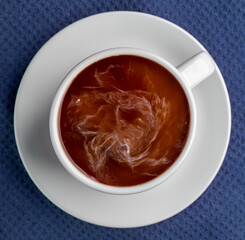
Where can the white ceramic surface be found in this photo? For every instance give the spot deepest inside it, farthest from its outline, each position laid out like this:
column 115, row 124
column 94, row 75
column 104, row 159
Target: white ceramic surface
column 193, row 71
column 38, row 87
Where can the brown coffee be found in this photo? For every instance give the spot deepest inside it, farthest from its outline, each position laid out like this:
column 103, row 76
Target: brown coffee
column 124, row 120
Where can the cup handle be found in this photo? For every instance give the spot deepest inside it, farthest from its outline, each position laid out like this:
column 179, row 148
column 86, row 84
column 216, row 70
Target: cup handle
column 197, row 68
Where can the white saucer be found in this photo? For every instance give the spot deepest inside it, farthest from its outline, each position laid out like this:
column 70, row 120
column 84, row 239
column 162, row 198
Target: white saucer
column 38, row 86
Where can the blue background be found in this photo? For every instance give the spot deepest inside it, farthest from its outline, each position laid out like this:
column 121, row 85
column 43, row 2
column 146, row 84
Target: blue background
column 26, row 25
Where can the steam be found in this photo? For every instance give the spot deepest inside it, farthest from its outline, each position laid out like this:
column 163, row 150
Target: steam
column 117, row 125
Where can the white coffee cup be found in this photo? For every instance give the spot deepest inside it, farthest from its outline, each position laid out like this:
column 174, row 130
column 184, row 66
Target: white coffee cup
column 189, row 74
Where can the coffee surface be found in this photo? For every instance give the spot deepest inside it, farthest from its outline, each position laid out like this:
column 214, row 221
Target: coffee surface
column 124, row 120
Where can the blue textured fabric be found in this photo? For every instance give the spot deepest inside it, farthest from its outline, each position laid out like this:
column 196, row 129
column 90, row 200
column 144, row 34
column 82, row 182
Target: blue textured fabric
column 27, row 24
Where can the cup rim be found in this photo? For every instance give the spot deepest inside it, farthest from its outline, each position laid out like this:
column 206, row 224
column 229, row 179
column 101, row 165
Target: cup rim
column 59, row 148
